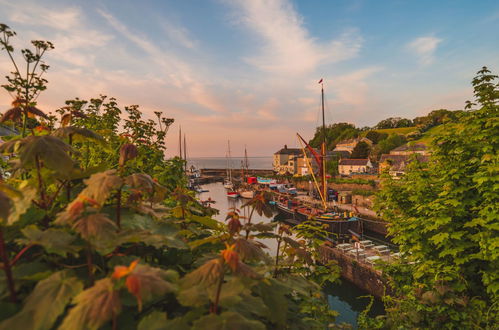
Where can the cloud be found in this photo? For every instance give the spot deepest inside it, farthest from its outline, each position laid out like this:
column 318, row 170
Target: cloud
column 288, row 47
column 179, row 35
column 424, row 48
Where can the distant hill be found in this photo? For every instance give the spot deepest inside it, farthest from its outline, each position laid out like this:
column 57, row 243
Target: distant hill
column 399, row 130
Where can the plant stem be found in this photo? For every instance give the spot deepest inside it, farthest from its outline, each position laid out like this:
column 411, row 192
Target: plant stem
column 118, row 209
column 277, row 257
column 90, row 264
column 217, row 297
column 19, row 255
column 249, row 221
column 7, row 268
column 40, row 182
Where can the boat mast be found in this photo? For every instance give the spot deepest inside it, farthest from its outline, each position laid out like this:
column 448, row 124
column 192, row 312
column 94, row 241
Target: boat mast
column 180, row 142
column 323, row 149
column 228, row 161
column 185, row 155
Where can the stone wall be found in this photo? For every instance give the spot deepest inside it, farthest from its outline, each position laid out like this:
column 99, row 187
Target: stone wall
column 358, row 272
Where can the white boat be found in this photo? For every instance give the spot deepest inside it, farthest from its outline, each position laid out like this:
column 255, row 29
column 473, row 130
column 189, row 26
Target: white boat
column 247, row 194
column 228, row 184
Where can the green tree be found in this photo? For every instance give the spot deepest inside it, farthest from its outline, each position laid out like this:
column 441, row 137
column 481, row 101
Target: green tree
column 375, row 136
column 444, row 215
column 361, row 150
column 334, row 134
column 394, row 122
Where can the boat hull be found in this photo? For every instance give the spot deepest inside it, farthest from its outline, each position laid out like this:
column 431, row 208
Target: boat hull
column 247, row 194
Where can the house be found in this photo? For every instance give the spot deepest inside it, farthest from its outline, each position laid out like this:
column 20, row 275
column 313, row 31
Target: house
column 396, row 164
column 350, row 144
column 292, row 161
column 397, row 160
column 284, row 161
column 409, row 149
column 351, row 166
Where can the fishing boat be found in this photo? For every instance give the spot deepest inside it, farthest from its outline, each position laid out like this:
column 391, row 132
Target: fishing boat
column 247, row 194
column 228, row 184
column 339, row 224
column 232, row 194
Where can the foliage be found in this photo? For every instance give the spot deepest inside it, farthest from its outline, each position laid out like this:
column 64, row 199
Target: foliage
column 334, row 133
column 97, row 230
column 385, row 146
column 444, row 216
column 376, row 136
column 360, row 151
column 394, row 122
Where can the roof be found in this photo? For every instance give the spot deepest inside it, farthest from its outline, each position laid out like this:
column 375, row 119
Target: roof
column 5, row 130
column 354, row 162
column 289, row 151
column 398, row 162
column 341, row 153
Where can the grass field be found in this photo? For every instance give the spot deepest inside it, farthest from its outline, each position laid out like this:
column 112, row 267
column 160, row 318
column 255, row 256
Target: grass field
column 428, row 135
column 400, row 130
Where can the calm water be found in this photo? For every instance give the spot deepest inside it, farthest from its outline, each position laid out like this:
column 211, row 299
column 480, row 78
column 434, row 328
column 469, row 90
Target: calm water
column 343, row 297
column 257, row 163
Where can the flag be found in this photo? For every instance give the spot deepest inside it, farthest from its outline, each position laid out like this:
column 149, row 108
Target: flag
column 320, row 81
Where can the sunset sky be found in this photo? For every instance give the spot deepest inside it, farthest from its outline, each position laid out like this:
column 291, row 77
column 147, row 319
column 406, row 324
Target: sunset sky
column 247, row 70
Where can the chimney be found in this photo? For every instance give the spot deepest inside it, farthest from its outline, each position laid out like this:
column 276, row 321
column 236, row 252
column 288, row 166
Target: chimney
column 285, row 146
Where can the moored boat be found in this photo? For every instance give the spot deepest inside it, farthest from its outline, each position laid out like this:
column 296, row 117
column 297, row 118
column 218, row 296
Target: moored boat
column 232, row 194
column 247, row 194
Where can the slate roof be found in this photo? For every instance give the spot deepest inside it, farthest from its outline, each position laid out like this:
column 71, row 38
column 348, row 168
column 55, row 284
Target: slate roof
column 289, row 151
column 399, row 162
column 354, row 162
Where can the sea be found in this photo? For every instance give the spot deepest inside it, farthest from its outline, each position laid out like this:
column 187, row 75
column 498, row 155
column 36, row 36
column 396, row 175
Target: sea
column 254, row 163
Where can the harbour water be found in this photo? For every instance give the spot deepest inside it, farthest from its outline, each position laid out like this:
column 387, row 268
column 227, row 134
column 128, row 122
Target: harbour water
column 257, row 163
column 344, row 297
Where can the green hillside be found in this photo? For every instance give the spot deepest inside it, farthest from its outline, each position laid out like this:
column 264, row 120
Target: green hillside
column 400, row 130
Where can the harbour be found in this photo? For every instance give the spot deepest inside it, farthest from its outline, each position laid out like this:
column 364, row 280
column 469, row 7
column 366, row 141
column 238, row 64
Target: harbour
column 343, row 297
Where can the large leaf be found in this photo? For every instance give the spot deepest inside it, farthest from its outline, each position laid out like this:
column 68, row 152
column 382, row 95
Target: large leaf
column 154, row 321
column 94, row 307
column 21, row 204
column 5, row 204
column 227, row 321
column 95, row 226
column 100, row 186
column 45, row 303
column 49, row 149
column 146, row 282
column 67, row 131
column 53, row 240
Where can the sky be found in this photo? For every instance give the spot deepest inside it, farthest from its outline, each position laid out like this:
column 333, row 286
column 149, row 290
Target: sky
column 248, row 70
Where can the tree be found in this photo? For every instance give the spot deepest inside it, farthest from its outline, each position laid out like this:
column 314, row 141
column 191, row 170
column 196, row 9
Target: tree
column 334, row 134
column 394, row 122
column 444, row 215
column 375, row 136
column 361, row 150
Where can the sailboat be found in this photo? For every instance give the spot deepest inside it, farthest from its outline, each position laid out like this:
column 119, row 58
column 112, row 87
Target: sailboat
column 228, row 184
column 245, row 192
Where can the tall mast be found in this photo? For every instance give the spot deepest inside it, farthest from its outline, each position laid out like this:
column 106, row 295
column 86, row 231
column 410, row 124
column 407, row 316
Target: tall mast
column 180, row 142
column 185, row 155
column 229, row 160
column 323, row 149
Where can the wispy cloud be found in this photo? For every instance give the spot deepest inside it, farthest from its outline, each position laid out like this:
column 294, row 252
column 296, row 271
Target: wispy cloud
column 424, row 48
column 288, row 47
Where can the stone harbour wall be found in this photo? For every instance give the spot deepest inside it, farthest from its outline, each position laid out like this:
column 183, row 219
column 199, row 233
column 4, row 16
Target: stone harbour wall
column 358, row 272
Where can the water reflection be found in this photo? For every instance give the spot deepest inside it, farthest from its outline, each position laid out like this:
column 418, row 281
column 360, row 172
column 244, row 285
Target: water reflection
column 344, row 297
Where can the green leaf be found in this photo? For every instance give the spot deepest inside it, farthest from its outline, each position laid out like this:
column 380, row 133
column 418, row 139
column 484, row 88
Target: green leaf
column 53, row 240
column 227, row 321
column 207, row 222
column 45, row 303
column 49, row 149
column 94, row 307
column 65, row 132
column 154, row 321
column 21, row 204
column 100, row 185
